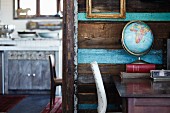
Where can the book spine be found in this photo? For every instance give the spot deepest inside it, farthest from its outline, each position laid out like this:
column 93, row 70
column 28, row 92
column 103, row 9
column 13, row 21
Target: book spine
column 139, row 68
column 134, row 75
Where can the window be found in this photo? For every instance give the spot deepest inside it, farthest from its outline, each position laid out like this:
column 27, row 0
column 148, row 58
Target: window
column 38, row 8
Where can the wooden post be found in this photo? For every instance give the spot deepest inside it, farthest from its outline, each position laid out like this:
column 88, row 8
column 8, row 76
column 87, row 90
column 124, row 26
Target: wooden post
column 68, row 57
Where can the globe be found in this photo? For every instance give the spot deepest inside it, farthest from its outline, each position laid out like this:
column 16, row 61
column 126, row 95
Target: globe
column 137, row 38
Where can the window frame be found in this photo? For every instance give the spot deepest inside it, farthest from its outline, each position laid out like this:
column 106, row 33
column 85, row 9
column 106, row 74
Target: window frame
column 37, row 15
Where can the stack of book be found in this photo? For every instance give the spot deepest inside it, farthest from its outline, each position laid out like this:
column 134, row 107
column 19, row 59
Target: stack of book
column 138, row 70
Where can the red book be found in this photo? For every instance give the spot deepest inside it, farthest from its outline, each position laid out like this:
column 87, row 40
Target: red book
column 139, row 68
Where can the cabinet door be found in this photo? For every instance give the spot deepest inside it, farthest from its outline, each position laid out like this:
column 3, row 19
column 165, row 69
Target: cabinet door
column 19, row 74
column 45, row 74
column 40, row 74
column 24, row 77
column 13, row 74
column 36, row 75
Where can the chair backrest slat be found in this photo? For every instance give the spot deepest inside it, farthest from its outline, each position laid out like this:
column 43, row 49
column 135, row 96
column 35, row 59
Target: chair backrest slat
column 101, row 94
column 52, row 67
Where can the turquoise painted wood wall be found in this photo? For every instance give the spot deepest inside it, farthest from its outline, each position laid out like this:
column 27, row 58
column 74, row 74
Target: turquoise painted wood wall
column 163, row 16
column 109, row 56
column 94, row 106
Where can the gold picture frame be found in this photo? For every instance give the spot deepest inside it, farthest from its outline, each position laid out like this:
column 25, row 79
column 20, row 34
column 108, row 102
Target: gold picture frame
column 122, row 13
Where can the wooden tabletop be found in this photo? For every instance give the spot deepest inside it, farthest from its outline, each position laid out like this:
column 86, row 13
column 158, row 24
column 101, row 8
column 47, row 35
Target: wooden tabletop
column 142, row 87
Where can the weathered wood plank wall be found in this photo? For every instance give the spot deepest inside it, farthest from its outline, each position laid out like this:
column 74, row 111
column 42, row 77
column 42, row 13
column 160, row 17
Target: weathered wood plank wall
column 96, row 36
column 131, row 5
column 107, row 35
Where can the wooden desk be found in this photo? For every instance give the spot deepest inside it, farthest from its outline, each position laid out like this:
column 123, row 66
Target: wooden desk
column 143, row 95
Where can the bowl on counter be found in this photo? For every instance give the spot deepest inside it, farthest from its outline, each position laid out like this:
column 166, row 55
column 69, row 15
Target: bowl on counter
column 48, row 34
column 27, row 34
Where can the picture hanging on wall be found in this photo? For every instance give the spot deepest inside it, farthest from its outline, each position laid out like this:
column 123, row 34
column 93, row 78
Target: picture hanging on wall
column 105, row 8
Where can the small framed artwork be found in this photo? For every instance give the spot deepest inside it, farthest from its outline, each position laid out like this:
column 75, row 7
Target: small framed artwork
column 105, row 8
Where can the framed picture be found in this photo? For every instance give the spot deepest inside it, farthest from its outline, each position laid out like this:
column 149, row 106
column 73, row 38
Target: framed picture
column 93, row 12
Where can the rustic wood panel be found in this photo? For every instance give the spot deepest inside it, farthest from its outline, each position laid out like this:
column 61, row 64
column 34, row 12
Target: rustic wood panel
column 100, row 35
column 105, row 69
column 91, row 98
column 131, row 5
column 108, row 35
column 110, row 69
column 87, row 94
column 90, row 79
column 91, row 88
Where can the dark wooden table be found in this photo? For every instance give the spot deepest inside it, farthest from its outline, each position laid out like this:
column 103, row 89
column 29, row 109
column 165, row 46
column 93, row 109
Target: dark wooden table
column 143, row 95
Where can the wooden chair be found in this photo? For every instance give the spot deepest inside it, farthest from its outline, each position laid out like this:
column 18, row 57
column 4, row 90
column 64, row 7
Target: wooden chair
column 54, row 80
column 101, row 94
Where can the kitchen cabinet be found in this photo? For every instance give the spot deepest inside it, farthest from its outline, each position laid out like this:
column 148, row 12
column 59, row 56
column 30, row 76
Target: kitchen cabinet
column 27, row 71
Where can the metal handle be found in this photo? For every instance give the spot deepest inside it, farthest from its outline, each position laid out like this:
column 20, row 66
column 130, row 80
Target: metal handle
column 33, row 74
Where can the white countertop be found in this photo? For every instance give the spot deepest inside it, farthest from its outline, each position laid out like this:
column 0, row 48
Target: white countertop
column 30, row 44
column 19, row 48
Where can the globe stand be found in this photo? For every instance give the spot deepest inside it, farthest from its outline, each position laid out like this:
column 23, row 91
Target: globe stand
column 139, row 61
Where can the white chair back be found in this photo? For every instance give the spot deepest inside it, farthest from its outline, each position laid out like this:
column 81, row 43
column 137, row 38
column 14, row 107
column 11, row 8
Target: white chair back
column 52, row 60
column 101, row 94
